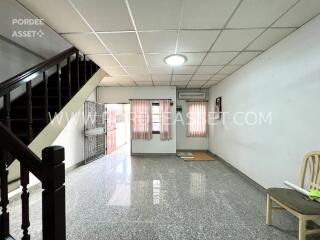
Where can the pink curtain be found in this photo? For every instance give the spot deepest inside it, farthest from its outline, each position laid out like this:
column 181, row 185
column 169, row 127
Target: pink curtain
column 197, row 119
column 165, row 119
column 141, row 124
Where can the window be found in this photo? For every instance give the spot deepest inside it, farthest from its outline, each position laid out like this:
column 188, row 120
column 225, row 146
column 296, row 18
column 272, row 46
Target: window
column 197, row 119
column 155, row 118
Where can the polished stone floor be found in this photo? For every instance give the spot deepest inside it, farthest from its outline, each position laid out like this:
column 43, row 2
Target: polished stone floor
column 122, row 197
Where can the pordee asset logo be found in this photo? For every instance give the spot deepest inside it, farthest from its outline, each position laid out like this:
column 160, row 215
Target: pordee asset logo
column 27, row 33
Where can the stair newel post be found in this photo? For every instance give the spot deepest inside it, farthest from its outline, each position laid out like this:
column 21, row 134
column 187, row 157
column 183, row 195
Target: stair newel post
column 59, row 86
column 69, row 78
column 7, row 109
column 53, row 195
column 77, row 70
column 46, row 96
column 4, row 217
column 85, row 69
column 29, row 110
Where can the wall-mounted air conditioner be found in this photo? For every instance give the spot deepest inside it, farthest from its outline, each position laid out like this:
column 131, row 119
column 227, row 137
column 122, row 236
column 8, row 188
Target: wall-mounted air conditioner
column 192, row 95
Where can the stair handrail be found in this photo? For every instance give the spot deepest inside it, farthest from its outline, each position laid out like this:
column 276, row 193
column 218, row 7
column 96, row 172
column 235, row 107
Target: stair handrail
column 10, row 143
column 50, row 170
column 15, row 81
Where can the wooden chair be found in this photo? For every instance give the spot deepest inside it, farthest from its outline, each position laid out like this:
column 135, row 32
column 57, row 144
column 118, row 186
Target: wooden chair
column 296, row 203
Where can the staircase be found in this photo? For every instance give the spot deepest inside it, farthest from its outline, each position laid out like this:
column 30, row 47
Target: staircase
column 27, row 115
column 22, row 117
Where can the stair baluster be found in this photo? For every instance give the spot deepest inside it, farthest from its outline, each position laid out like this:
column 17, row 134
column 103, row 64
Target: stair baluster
column 59, row 87
column 4, row 218
column 29, row 111
column 69, row 79
column 45, row 97
column 77, row 70
column 24, row 174
column 85, row 69
column 7, row 109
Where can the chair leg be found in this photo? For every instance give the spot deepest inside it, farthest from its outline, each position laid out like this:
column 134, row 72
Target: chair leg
column 302, row 228
column 269, row 210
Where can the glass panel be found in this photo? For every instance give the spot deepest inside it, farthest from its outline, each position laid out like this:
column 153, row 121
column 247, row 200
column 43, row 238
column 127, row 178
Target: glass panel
column 155, row 110
column 155, row 118
column 155, row 126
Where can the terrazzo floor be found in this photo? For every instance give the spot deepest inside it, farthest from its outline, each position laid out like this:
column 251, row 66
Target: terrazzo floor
column 123, row 197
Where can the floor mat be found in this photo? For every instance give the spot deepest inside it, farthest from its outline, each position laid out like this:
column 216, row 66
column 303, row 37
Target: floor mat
column 195, row 156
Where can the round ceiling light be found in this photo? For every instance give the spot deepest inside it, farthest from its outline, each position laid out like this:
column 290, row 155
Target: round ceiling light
column 175, row 60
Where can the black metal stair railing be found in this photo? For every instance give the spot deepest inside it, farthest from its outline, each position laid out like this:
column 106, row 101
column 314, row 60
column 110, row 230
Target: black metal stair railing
column 21, row 120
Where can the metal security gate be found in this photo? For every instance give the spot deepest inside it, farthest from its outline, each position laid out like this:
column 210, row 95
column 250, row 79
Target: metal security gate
column 94, row 130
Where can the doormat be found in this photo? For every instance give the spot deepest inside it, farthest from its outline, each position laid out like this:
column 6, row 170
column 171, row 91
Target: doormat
column 195, row 156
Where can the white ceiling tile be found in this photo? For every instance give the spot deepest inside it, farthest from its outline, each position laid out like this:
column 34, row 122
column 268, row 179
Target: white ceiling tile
column 235, row 40
column 299, row 14
column 230, row 69
column 155, row 14
column 141, row 78
column 115, row 71
column 208, row 69
column 183, row 77
column 137, row 70
column 104, row 60
column 59, row 14
column 127, row 84
column 159, row 41
column 196, row 41
column 244, row 57
column 207, row 14
column 131, row 60
column 219, row 58
column 179, row 83
column 156, row 59
column 161, row 77
column 261, row 13
column 211, row 83
column 88, row 43
column 197, row 83
column 126, row 42
column 161, row 83
column 105, row 15
column 269, row 38
column 201, row 77
column 161, row 70
column 144, row 83
column 184, row 69
column 194, row 58
column 219, row 76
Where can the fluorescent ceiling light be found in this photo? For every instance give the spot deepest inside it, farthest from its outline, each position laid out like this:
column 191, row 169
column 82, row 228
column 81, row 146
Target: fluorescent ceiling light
column 175, row 60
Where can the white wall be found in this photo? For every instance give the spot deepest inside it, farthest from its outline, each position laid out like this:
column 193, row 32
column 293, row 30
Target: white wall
column 73, row 133
column 184, row 142
column 285, row 80
column 123, row 94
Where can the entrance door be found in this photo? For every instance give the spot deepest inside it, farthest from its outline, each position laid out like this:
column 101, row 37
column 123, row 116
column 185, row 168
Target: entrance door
column 118, row 127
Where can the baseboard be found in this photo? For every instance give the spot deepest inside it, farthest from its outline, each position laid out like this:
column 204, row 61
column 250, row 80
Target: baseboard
column 238, row 172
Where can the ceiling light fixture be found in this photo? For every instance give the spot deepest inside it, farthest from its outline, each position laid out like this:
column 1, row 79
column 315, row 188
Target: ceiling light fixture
column 175, row 60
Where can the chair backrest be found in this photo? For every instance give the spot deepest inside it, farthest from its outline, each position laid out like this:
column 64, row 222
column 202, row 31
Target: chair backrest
column 310, row 171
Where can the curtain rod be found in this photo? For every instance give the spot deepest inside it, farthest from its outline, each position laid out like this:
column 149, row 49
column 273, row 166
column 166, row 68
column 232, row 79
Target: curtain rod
column 197, row 101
